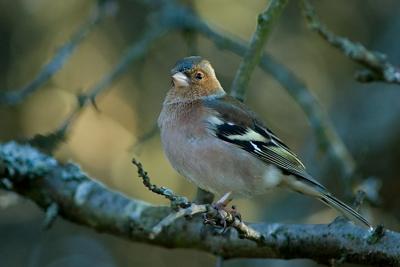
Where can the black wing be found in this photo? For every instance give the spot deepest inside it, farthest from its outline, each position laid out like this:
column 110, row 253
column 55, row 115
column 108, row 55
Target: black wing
column 233, row 122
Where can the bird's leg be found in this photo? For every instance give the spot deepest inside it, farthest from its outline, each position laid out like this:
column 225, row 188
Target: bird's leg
column 223, row 212
column 220, row 207
column 223, row 201
column 222, row 204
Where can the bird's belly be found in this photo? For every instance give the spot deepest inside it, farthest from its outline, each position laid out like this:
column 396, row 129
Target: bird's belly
column 220, row 167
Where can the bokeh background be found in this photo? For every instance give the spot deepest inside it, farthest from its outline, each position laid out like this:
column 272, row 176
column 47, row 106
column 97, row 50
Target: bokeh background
column 367, row 116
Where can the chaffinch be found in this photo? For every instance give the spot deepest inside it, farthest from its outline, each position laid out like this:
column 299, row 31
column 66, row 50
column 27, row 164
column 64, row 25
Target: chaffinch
column 222, row 146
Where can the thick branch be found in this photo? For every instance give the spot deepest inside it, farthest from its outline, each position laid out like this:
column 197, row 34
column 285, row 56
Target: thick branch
column 84, row 201
column 253, row 54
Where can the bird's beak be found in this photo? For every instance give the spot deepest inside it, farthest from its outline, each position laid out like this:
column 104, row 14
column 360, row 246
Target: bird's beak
column 180, row 80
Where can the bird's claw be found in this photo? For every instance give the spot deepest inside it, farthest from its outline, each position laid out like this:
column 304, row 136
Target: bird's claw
column 208, row 220
column 234, row 212
column 221, row 216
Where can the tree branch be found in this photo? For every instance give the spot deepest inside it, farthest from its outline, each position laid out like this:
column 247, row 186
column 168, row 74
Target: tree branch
column 255, row 49
column 183, row 208
column 378, row 67
column 82, row 200
column 61, row 57
column 176, row 201
column 136, row 51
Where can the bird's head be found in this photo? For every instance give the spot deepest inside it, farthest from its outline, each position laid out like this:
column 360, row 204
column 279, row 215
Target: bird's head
column 193, row 78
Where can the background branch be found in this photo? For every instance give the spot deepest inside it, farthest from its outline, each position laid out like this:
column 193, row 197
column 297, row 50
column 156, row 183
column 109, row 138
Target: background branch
column 256, row 46
column 378, row 67
column 325, row 132
column 175, row 16
column 134, row 53
column 82, row 200
column 61, row 57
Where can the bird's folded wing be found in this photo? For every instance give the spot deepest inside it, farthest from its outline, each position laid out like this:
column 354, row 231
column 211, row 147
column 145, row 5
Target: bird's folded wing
column 233, row 122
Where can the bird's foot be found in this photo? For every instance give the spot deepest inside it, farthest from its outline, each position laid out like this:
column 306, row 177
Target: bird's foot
column 222, row 216
column 235, row 213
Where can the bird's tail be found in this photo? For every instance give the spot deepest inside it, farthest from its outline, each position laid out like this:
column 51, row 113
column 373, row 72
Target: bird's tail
column 347, row 211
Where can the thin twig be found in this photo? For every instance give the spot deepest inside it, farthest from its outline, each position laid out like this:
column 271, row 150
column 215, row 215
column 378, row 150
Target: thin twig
column 176, row 201
column 184, row 208
column 253, row 54
column 378, row 67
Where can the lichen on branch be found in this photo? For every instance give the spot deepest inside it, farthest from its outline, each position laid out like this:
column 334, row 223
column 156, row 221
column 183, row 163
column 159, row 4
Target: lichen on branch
column 82, row 200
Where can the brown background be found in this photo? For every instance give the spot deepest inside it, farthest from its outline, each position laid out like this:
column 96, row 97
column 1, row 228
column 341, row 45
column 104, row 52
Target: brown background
column 367, row 116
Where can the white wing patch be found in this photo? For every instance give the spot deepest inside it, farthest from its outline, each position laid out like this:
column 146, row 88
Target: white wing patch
column 249, row 136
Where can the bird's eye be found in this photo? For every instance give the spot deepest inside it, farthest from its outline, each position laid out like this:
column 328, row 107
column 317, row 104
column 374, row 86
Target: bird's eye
column 199, row 75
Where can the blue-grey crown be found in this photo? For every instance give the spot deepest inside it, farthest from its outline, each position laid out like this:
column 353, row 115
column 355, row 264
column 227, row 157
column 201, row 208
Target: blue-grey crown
column 186, row 64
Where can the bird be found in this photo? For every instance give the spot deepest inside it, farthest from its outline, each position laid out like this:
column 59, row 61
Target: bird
column 223, row 147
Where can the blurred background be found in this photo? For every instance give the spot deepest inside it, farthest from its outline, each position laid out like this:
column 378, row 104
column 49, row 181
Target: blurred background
column 367, row 116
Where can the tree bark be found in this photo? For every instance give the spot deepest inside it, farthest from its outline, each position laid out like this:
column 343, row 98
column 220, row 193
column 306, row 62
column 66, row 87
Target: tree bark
column 76, row 197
